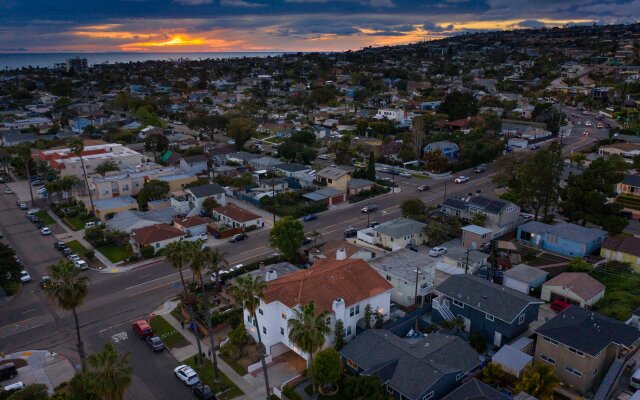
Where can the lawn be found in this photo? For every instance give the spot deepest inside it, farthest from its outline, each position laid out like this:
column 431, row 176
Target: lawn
column 75, row 223
column 77, row 247
column 171, row 337
column 116, row 253
column 622, row 295
column 206, row 376
column 234, row 364
column 45, row 217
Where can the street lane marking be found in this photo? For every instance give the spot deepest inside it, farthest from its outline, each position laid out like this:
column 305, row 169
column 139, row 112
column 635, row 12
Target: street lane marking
column 29, row 310
column 22, row 331
column 119, row 337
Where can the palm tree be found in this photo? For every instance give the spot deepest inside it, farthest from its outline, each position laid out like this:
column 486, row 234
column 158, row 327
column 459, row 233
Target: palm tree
column 77, row 147
column 248, row 292
column 214, row 259
column 69, row 289
column 315, row 235
column 178, row 258
column 67, row 184
column 197, row 264
column 107, row 166
column 110, row 373
column 308, row 330
column 24, row 153
column 538, row 380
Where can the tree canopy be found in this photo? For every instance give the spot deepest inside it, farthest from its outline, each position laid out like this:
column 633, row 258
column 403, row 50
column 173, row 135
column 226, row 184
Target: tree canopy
column 241, row 129
column 153, row 190
column 287, row 236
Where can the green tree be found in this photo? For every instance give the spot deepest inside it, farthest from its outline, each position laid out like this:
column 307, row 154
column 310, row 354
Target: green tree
column 436, row 162
column 107, row 166
column 538, row 380
column 111, row 373
column 9, row 267
column 478, row 342
column 492, row 374
column 371, row 167
column 308, row 330
column 209, row 204
column 241, row 129
column 24, row 158
column 77, row 147
column 436, row 232
column 338, row 332
column 364, row 388
column 479, row 219
column 157, row 143
column 249, row 292
column 287, row 235
column 35, row 391
column 458, row 105
column 578, row 159
column 153, row 190
column 579, row 265
column 315, row 235
column 636, row 162
column 413, row 208
column 368, row 314
column 542, row 174
column 68, row 289
column 328, row 369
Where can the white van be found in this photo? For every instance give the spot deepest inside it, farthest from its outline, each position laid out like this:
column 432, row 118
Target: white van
column 634, row 382
column 89, row 225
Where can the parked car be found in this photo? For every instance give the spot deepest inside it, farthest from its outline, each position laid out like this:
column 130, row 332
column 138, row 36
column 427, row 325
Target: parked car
column 45, row 282
column 480, row 168
column 14, row 387
column 60, row 246
column 73, row 257
column 203, row 391
column 90, row 224
column 559, row 305
column 22, row 205
column 437, row 251
column 203, row 236
column 142, row 329
column 40, row 224
column 24, row 277
column 405, row 174
column 155, row 343
column 186, row 375
column 350, row 232
column 37, row 183
column 461, row 179
column 374, row 224
column 81, row 265
column 236, row 267
column 310, row 217
column 45, row 231
column 323, row 157
column 422, row 188
column 307, row 241
column 8, row 371
column 218, row 275
column 66, row 251
column 369, row 208
column 238, row 238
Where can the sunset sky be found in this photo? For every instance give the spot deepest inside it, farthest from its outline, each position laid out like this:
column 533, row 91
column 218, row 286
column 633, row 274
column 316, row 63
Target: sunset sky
column 276, row 25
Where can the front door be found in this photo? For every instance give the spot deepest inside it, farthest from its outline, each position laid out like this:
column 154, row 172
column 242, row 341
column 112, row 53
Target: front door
column 497, row 339
column 467, row 324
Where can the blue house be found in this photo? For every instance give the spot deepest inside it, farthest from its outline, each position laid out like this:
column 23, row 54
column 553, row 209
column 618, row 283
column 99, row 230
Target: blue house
column 448, row 149
column 499, row 313
column 564, row 238
column 425, row 368
column 77, row 125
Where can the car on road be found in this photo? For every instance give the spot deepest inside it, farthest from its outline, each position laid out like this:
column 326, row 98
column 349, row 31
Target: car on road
column 186, row 375
column 405, row 174
column 323, row 157
column 60, row 246
column 588, row 123
column 599, row 126
column 238, row 238
column 155, row 343
column 422, row 188
column 236, row 267
column 534, row 147
column 374, row 224
column 37, row 183
column 350, row 232
column 203, row 392
column 369, row 208
column 40, row 224
column 480, row 168
column 14, row 387
column 24, row 277
column 142, row 329
column 22, row 205
column 45, row 231
column 310, row 217
column 437, row 251
column 307, row 241
column 8, row 191
column 45, row 282
column 461, row 179
column 218, row 275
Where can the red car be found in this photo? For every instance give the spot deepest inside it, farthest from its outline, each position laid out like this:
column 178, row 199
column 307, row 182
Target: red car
column 559, row 306
column 142, row 329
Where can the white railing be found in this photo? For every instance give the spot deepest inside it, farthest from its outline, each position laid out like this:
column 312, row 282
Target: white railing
column 439, row 305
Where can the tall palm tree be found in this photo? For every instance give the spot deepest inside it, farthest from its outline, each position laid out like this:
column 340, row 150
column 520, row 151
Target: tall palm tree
column 67, row 184
column 110, row 373
column 308, row 330
column 248, row 292
column 197, row 264
column 538, row 380
column 77, row 147
column 24, row 153
column 69, row 289
column 215, row 260
column 315, row 235
column 178, row 258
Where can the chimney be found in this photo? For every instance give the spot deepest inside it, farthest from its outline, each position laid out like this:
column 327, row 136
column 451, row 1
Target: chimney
column 341, row 254
column 271, row 275
column 338, row 308
column 262, row 266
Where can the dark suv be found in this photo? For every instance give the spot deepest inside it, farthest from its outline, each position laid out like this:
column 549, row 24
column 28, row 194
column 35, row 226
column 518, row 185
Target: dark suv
column 203, row 391
column 8, row 371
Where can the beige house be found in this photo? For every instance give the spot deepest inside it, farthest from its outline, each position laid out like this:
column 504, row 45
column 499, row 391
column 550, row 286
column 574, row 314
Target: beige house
column 333, row 177
column 399, row 233
column 474, row 236
column 577, row 288
column 156, row 236
column 107, row 208
column 574, row 344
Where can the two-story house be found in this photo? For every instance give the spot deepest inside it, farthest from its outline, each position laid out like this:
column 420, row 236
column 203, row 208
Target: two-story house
column 196, row 164
column 497, row 312
column 343, row 288
column 189, row 201
column 622, row 248
column 563, row 238
column 426, row 369
column 333, row 177
column 581, row 345
column 448, row 149
column 501, row 214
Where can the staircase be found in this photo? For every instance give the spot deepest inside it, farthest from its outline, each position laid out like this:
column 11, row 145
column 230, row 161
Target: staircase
column 609, row 379
column 439, row 305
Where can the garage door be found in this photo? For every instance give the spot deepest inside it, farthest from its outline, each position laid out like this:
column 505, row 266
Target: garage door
column 516, row 285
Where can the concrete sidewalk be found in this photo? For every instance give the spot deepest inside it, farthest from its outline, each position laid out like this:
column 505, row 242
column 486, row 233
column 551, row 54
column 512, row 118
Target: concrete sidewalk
column 181, row 354
column 45, row 367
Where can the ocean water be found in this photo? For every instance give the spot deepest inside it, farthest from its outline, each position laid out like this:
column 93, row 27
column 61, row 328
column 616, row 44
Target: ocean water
column 48, row 60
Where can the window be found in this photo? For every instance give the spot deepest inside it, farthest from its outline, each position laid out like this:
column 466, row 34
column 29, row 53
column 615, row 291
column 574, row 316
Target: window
column 553, row 342
column 352, row 364
column 573, row 371
column 351, row 311
column 348, row 331
column 264, row 330
column 328, row 321
column 260, row 311
column 428, row 396
column 595, row 372
column 249, row 318
column 578, row 352
column 489, row 317
column 358, row 309
column 388, row 388
column 548, row 359
column 389, row 277
column 459, row 376
column 552, row 239
column 282, row 331
column 403, row 397
column 458, row 303
column 521, row 319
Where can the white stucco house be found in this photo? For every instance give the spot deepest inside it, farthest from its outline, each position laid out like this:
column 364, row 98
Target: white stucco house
column 189, row 201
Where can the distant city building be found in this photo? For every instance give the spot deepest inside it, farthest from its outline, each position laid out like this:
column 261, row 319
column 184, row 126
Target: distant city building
column 77, row 65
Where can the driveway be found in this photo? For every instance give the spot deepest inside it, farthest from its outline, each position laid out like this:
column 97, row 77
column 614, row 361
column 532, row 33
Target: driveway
column 282, row 369
column 42, row 367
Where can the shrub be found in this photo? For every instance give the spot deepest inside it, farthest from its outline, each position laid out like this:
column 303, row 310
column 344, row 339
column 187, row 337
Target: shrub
column 90, row 254
column 478, row 342
column 147, row 251
column 238, row 336
column 290, row 393
column 231, row 350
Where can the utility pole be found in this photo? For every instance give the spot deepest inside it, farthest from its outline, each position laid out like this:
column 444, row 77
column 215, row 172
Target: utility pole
column 368, row 214
column 466, row 264
column 445, row 192
column 273, row 192
column 415, row 293
column 560, row 124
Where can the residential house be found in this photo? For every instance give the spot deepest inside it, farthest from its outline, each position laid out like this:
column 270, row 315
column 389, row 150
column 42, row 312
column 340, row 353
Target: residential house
column 400, row 233
column 396, row 115
column 469, row 261
column 428, row 368
column 355, row 186
column 630, row 186
column 581, row 345
column 624, row 149
column 192, row 226
column 108, row 208
column 333, row 177
column 622, row 249
column 189, row 201
column 476, row 390
column 475, row 237
column 236, row 217
column 524, row 279
column 512, row 360
column 343, row 288
column 499, row 313
column 577, row 288
column 338, row 249
column 265, row 163
column 329, row 195
column 448, row 149
column 563, row 238
column 129, row 220
column 500, row 215
column 293, row 170
column 195, row 164
column 401, row 268
column 157, row 236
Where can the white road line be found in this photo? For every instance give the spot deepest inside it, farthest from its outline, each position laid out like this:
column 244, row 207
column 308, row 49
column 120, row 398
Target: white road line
column 22, row 331
column 185, row 273
column 29, row 310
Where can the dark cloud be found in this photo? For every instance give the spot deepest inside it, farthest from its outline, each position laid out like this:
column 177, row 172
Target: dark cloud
column 531, row 23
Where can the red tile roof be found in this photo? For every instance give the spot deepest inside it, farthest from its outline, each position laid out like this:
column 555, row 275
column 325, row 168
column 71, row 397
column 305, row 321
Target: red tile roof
column 190, row 222
column 155, row 233
column 326, row 281
column 236, row 213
